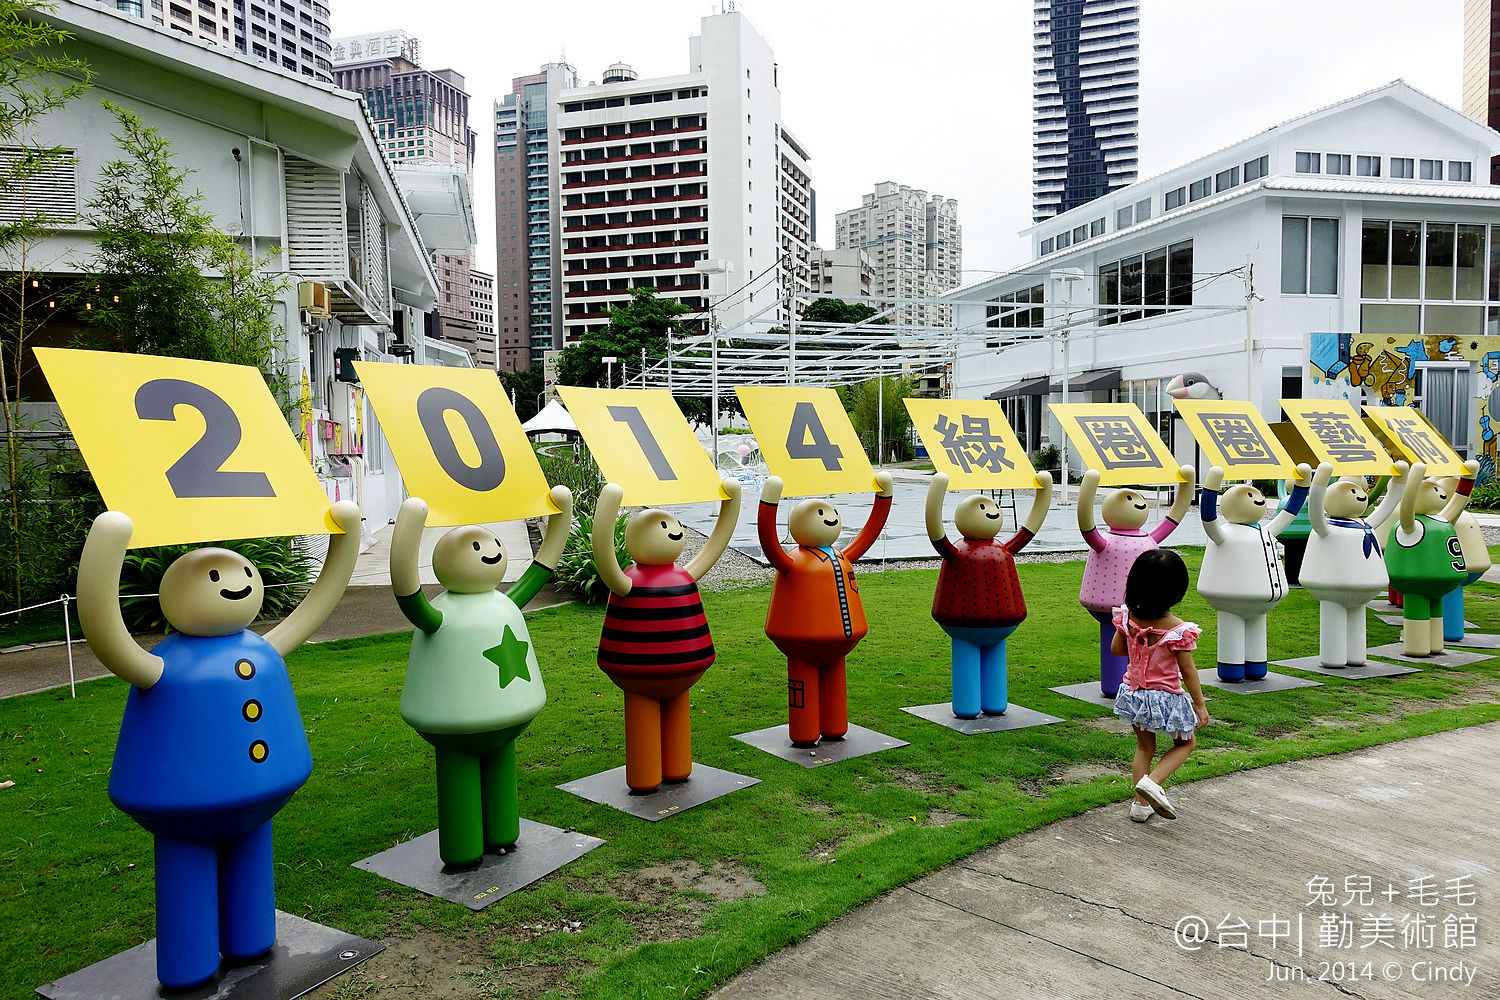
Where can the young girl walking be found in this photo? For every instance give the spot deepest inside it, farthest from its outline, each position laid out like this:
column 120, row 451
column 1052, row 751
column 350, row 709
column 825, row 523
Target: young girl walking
column 1152, row 699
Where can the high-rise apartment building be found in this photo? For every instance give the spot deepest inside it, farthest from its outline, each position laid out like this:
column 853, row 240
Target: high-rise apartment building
column 422, row 119
column 914, row 243
column 290, row 34
column 1086, row 101
column 528, row 308
column 658, row 174
column 1482, row 67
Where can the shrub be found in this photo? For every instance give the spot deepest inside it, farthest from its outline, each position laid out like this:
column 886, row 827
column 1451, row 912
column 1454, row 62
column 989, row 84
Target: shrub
column 285, row 569
column 581, row 475
column 1485, row 497
column 576, row 569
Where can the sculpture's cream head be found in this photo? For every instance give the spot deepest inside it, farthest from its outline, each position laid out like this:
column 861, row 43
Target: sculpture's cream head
column 1124, row 510
column 1346, row 498
column 469, row 560
column 1243, row 504
column 211, row 591
column 977, row 517
column 815, row 523
column 654, row 537
column 1432, row 496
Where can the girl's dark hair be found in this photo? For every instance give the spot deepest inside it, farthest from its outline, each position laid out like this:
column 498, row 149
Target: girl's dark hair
column 1158, row 580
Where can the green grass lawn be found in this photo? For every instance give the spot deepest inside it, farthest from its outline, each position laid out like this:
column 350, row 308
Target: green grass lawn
column 667, row 908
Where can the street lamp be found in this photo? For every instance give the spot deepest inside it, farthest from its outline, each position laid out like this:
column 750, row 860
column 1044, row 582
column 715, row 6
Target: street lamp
column 609, row 371
column 1067, row 275
column 711, row 266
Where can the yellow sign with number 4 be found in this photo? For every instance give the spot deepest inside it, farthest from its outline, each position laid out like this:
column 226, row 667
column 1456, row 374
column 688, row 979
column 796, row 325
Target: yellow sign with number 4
column 192, row 451
column 807, row 440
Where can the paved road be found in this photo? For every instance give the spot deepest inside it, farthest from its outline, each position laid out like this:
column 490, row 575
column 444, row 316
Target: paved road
column 1087, row 907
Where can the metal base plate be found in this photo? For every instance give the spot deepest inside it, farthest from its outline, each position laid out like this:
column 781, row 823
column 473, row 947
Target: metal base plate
column 1015, row 717
column 1383, row 605
column 1371, row 668
column 1477, row 640
column 1087, row 691
column 707, row 783
column 1447, row 658
column 306, row 956
column 1271, row 682
column 1397, row 620
column 541, row 850
column 856, row 743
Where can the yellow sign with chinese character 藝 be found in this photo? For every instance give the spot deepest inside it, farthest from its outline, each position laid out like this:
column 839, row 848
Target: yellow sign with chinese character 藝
column 642, row 441
column 1235, row 437
column 192, row 451
column 1118, row 441
column 457, row 442
column 1335, row 434
column 971, row 441
column 1408, row 433
column 807, row 439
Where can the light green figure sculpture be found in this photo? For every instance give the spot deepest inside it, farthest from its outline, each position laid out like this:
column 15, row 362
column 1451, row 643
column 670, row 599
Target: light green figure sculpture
column 472, row 682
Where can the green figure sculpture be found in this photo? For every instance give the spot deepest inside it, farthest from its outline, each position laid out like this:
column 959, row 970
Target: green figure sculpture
column 472, row 682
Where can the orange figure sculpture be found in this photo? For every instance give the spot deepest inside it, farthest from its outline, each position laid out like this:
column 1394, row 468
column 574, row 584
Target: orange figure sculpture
column 656, row 642
column 816, row 617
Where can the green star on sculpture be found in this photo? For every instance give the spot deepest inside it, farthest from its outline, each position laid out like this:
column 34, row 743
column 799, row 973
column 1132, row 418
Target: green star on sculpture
column 510, row 657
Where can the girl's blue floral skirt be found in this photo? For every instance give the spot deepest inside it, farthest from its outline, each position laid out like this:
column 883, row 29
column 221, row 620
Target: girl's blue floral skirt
column 1157, row 711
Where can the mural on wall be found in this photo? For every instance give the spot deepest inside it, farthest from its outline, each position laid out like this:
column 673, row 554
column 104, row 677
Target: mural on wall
column 1385, row 369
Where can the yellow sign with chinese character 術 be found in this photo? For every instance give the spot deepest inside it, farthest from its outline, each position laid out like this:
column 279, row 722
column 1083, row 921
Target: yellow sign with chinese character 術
column 457, row 441
column 1408, row 432
column 642, row 442
column 971, row 441
column 1235, row 437
column 807, row 439
column 1117, row 440
column 1335, row 434
column 192, row 451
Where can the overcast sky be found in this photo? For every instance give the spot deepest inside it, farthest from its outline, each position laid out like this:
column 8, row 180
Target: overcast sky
column 937, row 94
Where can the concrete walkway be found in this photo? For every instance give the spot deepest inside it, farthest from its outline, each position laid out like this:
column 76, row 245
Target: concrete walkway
column 1089, row 906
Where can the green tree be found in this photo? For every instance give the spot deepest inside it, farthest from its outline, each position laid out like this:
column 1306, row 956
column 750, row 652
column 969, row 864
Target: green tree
column 889, row 424
column 641, row 323
column 525, row 385
column 839, row 311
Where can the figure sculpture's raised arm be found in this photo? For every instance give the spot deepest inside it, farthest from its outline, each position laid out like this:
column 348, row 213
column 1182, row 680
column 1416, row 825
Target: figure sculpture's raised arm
column 876, row 522
column 1390, row 500
column 1041, row 502
column 1182, row 498
column 99, row 602
column 1086, row 523
column 1213, row 483
column 937, row 491
column 1316, row 517
column 406, row 577
column 718, row 539
column 765, row 526
column 1460, row 498
column 1293, row 506
column 606, row 562
column 343, row 551
column 1409, row 496
column 554, row 541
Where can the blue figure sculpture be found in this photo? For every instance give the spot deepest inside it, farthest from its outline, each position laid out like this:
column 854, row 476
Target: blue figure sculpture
column 211, row 745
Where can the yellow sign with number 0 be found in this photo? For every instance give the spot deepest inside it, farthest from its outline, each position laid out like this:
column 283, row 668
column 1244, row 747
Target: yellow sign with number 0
column 807, row 440
column 192, row 451
column 457, row 441
column 642, row 442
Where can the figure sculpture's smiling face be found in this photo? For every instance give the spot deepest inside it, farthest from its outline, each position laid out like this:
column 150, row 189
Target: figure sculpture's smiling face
column 654, row 538
column 1244, row 504
column 977, row 517
column 815, row 523
column 211, row 591
column 1125, row 510
column 1431, row 497
column 1346, row 499
column 469, row 560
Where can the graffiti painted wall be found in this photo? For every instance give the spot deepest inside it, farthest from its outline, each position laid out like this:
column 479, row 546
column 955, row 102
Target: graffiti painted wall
column 1384, row 368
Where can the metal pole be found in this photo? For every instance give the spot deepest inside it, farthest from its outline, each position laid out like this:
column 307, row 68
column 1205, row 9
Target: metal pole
column 669, row 360
column 1249, row 339
column 791, row 334
column 713, row 404
column 880, row 415
column 68, row 644
column 1063, row 470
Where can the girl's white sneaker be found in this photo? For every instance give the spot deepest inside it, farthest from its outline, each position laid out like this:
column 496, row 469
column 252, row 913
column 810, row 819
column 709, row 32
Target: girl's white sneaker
column 1152, row 793
column 1139, row 812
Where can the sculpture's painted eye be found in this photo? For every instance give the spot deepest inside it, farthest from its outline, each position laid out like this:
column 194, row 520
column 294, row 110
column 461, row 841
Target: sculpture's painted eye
column 248, row 573
column 664, row 524
column 476, row 546
column 213, row 575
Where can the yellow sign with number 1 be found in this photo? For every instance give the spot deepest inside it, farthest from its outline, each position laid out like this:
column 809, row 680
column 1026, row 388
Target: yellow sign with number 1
column 192, row 451
column 642, row 441
column 807, row 440
column 457, row 441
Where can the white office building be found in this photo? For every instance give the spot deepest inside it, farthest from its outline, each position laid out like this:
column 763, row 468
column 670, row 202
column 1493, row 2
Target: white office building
column 1351, row 252
column 914, row 244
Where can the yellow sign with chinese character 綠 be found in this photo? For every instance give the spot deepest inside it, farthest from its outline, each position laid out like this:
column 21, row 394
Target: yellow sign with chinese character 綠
column 971, row 441
column 1235, row 437
column 192, row 451
column 1118, row 441
column 1335, row 434
column 807, row 439
column 642, row 442
column 457, row 442
column 1408, row 432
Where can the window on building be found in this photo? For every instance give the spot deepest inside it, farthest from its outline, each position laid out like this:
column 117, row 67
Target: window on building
column 1339, row 163
column 1309, row 256
column 1309, row 163
column 1124, row 217
column 1257, row 168
column 1143, row 210
column 1226, row 179
column 1430, row 170
column 1367, row 166
column 1064, row 239
column 1403, row 167
column 1174, row 199
column 1047, row 246
column 1155, row 281
column 1460, row 170
column 1096, row 228
column 1200, row 189
column 1080, row 233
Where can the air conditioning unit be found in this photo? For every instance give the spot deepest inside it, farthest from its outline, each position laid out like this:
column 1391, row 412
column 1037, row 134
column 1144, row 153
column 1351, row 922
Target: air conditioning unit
column 312, row 298
column 403, row 331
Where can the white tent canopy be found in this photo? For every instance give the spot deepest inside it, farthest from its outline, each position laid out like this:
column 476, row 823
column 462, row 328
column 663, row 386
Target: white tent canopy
column 551, row 419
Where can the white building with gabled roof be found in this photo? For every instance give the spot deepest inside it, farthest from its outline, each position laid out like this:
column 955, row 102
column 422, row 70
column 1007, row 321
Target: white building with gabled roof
column 1346, row 252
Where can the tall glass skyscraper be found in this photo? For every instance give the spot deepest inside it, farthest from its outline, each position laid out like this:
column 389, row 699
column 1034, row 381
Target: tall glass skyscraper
column 1086, row 101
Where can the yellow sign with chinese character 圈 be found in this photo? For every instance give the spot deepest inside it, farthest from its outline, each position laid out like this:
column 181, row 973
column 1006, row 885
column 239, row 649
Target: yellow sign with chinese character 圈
column 971, row 441
column 457, row 442
column 1408, row 433
column 1118, row 441
column 192, row 451
column 1335, row 434
column 1235, row 437
column 642, row 441
column 807, row 439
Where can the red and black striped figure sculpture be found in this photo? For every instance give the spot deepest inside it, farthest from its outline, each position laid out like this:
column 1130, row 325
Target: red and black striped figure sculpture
column 656, row 642
column 816, row 617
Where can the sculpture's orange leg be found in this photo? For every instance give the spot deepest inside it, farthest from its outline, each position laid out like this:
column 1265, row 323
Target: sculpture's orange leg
column 676, row 738
column 643, row 724
column 833, row 701
column 802, row 702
